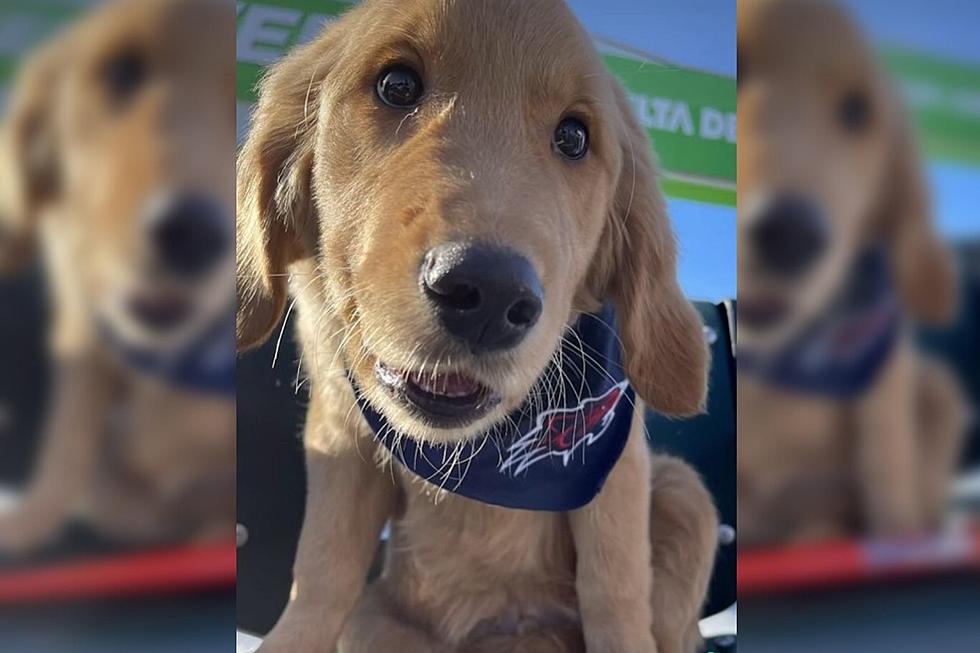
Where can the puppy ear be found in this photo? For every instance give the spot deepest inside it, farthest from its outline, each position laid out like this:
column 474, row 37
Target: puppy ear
column 275, row 222
column 29, row 153
column 923, row 266
column 665, row 354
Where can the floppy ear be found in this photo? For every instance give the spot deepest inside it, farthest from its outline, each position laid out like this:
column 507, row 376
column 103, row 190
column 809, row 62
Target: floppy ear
column 30, row 178
column 275, row 223
column 665, row 354
column 923, row 267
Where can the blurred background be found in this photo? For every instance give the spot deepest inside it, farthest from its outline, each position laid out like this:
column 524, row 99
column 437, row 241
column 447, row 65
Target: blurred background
column 117, row 361
column 846, row 545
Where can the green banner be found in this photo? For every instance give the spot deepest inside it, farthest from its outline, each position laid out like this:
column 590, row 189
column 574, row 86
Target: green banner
column 944, row 97
column 690, row 115
column 269, row 29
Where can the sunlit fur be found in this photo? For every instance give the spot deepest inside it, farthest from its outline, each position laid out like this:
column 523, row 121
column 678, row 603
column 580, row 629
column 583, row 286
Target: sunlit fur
column 340, row 197
column 357, row 193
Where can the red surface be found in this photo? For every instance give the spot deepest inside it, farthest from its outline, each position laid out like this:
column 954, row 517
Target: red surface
column 136, row 574
column 838, row 564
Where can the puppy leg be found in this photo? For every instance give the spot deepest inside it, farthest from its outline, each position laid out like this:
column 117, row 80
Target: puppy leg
column 888, row 450
column 69, row 455
column 684, row 539
column 612, row 543
column 348, row 501
column 942, row 422
column 376, row 626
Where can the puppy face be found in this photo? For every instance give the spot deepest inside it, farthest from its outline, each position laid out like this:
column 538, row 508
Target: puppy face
column 826, row 168
column 123, row 132
column 466, row 178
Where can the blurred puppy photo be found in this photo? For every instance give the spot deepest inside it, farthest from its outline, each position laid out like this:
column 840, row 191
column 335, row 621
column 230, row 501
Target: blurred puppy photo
column 466, row 227
column 845, row 427
column 117, row 159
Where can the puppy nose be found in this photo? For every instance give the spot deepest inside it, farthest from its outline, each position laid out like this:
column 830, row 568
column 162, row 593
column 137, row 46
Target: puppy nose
column 188, row 235
column 790, row 235
column 488, row 297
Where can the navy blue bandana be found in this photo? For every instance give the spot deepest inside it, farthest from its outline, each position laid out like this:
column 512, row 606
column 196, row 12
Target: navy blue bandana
column 206, row 366
column 841, row 353
column 553, row 457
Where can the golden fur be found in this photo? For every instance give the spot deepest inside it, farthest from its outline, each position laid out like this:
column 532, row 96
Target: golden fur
column 135, row 458
column 339, row 199
column 811, row 467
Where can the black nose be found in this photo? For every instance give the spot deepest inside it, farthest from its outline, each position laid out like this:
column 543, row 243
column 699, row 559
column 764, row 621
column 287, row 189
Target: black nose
column 487, row 297
column 189, row 235
column 789, row 236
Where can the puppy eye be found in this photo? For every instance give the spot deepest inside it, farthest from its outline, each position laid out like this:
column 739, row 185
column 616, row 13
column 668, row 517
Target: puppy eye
column 855, row 112
column 572, row 138
column 124, row 74
column 399, row 87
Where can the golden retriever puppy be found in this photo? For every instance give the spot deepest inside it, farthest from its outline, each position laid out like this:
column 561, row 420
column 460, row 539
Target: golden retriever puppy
column 844, row 428
column 454, row 192
column 119, row 164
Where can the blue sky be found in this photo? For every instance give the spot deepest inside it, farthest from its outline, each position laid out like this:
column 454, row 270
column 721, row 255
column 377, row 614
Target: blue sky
column 695, row 33
column 947, row 28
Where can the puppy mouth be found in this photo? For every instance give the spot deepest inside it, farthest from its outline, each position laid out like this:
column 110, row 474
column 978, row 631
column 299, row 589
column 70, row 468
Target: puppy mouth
column 445, row 400
column 159, row 310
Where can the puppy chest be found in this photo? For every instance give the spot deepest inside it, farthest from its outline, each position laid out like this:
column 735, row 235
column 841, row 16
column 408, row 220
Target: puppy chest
column 454, row 541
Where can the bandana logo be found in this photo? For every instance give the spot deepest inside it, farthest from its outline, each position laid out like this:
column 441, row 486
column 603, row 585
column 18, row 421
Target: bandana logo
column 561, row 432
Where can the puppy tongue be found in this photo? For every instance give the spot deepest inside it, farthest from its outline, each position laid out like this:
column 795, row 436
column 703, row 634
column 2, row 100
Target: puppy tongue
column 449, row 385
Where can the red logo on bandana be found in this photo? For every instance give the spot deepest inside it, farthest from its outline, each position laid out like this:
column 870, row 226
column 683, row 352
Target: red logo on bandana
column 561, row 432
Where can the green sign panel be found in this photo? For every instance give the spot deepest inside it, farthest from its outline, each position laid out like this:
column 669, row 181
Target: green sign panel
column 945, row 99
column 690, row 117
column 269, row 29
